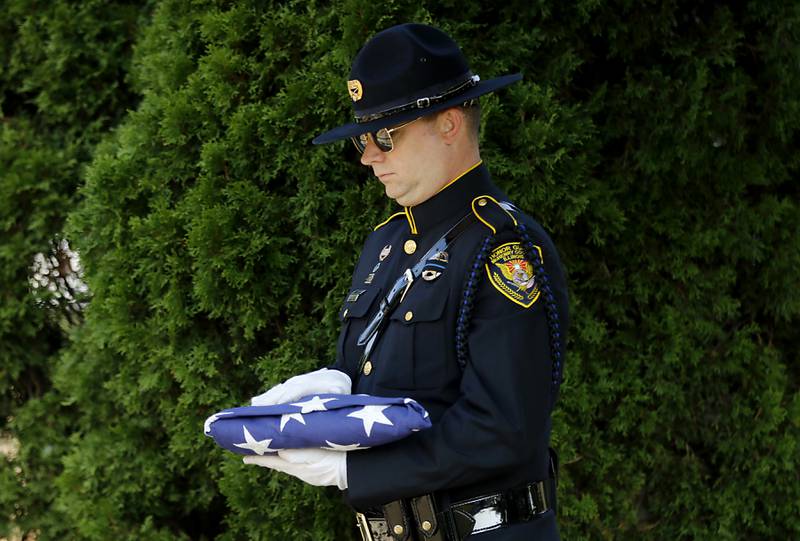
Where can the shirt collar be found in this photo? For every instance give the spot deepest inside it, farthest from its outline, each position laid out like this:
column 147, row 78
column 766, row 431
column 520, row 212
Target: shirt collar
column 453, row 200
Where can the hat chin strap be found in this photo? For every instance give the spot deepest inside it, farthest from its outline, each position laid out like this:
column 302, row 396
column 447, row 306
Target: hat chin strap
column 422, row 103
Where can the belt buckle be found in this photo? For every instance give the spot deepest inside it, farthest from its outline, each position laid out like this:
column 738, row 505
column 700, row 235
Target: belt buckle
column 363, row 527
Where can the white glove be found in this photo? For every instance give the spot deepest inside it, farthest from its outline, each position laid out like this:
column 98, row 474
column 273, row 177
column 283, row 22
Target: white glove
column 318, row 467
column 317, row 382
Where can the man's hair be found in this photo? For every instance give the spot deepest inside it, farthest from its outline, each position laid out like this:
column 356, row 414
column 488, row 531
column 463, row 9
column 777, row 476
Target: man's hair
column 472, row 114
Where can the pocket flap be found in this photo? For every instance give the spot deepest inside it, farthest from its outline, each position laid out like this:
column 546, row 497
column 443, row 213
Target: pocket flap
column 424, row 304
column 357, row 303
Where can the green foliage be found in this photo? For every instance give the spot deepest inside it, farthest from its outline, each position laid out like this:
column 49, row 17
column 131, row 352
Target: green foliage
column 656, row 141
column 62, row 86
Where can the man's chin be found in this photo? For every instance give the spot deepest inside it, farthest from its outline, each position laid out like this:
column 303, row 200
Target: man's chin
column 399, row 198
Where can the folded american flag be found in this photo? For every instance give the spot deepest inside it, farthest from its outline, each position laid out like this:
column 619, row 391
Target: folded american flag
column 340, row 422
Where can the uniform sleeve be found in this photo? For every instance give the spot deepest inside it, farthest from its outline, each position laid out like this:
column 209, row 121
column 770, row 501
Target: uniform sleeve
column 500, row 419
column 339, row 364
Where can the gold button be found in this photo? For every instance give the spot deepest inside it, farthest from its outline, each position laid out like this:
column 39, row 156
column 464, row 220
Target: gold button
column 409, row 315
column 344, row 314
column 427, row 526
column 398, row 530
column 410, row 247
column 367, row 368
column 481, row 202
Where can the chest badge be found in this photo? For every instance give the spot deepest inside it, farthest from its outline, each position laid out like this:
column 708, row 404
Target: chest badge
column 512, row 275
column 383, row 255
column 371, row 275
column 435, row 266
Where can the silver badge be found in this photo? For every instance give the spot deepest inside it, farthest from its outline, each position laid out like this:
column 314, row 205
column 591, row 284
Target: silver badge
column 385, row 252
column 441, row 257
column 438, row 261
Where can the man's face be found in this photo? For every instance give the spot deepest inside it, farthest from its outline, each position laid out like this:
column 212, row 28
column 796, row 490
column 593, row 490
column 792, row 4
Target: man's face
column 415, row 169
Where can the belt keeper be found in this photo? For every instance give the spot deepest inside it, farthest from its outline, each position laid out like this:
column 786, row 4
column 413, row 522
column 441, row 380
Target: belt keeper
column 537, row 497
column 363, row 527
column 425, row 515
column 397, row 520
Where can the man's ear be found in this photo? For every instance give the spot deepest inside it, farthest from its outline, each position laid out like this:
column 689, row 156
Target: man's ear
column 450, row 123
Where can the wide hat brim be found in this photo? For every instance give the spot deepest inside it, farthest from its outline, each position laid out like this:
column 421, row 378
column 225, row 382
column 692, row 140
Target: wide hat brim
column 353, row 129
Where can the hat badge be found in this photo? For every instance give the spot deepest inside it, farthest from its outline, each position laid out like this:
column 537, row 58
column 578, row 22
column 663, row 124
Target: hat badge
column 356, row 91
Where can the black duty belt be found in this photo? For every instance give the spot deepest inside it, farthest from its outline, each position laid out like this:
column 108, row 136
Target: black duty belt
column 394, row 521
column 372, row 331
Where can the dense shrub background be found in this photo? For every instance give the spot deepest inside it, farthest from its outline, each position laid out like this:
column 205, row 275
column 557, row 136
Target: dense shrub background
column 168, row 143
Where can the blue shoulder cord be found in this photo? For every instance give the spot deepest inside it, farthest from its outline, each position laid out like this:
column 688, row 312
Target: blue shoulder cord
column 542, row 280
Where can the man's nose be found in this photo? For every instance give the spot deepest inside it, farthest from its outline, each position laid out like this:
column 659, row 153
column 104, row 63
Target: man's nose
column 372, row 153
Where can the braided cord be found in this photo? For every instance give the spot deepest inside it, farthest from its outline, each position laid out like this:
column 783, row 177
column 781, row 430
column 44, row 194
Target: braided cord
column 470, row 289
column 553, row 321
column 471, row 284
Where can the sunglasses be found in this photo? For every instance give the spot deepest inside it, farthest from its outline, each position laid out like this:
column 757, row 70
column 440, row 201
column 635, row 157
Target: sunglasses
column 382, row 138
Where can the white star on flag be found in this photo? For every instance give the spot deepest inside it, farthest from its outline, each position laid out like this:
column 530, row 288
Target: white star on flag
column 336, row 447
column 285, row 418
column 313, row 404
column 258, row 447
column 371, row 415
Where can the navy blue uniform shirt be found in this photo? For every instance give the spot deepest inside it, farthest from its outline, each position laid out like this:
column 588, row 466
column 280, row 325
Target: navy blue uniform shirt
column 491, row 420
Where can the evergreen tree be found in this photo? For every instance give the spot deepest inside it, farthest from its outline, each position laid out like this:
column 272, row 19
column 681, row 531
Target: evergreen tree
column 63, row 70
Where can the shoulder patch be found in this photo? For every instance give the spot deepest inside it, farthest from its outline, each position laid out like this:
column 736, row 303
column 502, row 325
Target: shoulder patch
column 512, row 275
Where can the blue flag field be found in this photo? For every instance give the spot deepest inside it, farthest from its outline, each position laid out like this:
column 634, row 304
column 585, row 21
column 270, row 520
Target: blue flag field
column 328, row 421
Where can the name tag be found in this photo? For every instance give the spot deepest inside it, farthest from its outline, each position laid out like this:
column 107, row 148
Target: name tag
column 355, row 294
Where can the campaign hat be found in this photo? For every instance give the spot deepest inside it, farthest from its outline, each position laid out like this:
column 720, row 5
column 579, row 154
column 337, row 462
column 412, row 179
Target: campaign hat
column 405, row 72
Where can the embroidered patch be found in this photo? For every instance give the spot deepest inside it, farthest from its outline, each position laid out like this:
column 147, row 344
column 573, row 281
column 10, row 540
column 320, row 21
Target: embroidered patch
column 512, row 275
column 355, row 89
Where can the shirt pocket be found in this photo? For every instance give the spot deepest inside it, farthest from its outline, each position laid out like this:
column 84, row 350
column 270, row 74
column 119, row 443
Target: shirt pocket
column 354, row 314
column 417, row 350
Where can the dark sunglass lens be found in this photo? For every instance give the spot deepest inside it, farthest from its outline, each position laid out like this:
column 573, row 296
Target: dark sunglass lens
column 359, row 144
column 383, row 139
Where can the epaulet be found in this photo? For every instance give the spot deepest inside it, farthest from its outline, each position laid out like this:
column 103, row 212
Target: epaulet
column 493, row 214
column 389, row 219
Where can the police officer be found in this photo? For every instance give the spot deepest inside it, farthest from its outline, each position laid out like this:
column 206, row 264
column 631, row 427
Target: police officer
column 458, row 301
